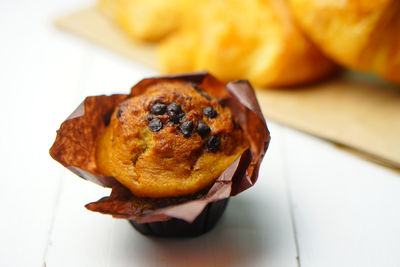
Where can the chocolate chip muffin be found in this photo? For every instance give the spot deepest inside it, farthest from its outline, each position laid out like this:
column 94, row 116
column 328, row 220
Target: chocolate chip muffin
column 172, row 140
column 173, row 150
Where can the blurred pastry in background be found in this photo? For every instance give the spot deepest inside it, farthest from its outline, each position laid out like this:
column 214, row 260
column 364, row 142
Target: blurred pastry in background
column 149, row 20
column 360, row 34
column 254, row 39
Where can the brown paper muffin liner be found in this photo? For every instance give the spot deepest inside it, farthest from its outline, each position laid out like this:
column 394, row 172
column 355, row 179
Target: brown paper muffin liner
column 76, row 139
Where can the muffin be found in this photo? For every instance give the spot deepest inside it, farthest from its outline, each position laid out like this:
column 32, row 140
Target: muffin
column 173, row 140
column 173, row 151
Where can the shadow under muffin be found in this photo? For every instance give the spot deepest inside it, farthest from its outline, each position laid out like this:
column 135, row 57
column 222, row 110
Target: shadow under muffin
column 206, row 220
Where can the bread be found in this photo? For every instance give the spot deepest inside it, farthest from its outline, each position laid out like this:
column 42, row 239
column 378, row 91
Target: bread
column 171, row 140
column 149, row 20
column 360, row 34
column 253, row 39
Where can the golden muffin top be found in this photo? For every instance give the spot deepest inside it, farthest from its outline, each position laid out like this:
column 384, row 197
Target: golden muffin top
column 172, row 140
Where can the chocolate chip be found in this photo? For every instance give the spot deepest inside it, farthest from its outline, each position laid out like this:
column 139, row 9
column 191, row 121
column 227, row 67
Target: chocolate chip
column 187, row 128
column 177, row 118
column 174, row 108
column 119, row 112
column 203, row 129
column 210, row 112
column 158, row 109
column 155, row 125
column 175, row 112
column 182, row 117
column 221, row 101
column 213, row 143
column 197, row 88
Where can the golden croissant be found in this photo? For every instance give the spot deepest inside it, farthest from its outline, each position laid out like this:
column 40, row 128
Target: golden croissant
column 253, row 39
column 360, row 34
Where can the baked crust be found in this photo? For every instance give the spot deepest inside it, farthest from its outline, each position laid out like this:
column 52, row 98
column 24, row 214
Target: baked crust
column 168, row 162
column 149, row 20
column 256, row 40
column 233, row 39
column 359, row 34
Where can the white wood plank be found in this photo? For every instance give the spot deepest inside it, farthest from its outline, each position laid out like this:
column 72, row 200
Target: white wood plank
column 346, row 210
column 39, row 77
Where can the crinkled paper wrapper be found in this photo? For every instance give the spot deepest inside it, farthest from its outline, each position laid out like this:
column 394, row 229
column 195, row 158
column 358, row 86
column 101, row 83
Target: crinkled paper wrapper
column 75, row 145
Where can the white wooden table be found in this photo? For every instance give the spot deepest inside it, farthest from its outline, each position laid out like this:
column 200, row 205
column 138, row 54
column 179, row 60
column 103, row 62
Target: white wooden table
column 314, row 205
